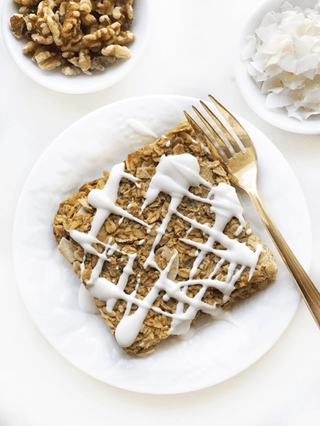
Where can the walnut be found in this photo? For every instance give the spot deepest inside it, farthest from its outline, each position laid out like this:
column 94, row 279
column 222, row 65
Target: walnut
column 129, row 10
column 97, row 64
column 70, row 71
column 116, row 13
column 87, row 18
column 103, row 34
column 124, row 37
column 54, row 25
column 29, row 47
column 74, row 45
column 116, row 51
column 105, row 20
column 17, row 24
column 40, row 39
column 45, row 59
column 25, row 9
column 80, row 35
column 37, row 24
column 119, row 11
column 71, row 19
column 105, row 7
column 83, row 61
column 85, row 6
column 27, row 2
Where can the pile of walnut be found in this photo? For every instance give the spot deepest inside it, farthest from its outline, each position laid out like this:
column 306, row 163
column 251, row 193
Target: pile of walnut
column 78, row 35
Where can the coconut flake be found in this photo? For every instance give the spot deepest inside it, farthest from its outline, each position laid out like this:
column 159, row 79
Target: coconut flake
column 284, row 59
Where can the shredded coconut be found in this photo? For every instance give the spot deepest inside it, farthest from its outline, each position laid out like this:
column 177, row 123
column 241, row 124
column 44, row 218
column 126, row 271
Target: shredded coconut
column 284, row 59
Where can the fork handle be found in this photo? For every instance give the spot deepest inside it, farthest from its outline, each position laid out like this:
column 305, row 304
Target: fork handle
column 308, row 290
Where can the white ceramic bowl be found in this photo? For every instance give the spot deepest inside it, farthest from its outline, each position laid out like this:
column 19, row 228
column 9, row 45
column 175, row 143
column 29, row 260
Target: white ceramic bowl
column 251, row 93
column 82, row 83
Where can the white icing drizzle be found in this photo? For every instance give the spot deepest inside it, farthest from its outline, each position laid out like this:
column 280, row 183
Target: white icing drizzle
column 174, row 176
column 189, row 230
column 141, row 128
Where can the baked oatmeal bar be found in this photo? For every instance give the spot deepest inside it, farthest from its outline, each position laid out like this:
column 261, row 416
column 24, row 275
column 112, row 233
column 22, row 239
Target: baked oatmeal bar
column 161, row 239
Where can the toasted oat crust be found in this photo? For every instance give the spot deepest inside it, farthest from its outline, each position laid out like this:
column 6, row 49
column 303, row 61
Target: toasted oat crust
column 76, row 213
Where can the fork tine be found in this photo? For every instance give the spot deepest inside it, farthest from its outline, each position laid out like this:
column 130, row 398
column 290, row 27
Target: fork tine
column 214, row 152
column 229, row 138
column 233, row 122
column 224, row 148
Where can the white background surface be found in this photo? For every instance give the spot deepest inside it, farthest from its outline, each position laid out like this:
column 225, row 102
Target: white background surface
column 191, row 54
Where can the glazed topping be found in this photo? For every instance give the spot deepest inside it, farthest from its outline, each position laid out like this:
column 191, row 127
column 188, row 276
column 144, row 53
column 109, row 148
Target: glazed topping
column 175, row 175
column 141, row 128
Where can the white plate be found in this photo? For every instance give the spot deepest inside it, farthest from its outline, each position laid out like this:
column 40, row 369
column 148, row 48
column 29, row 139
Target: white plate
column 248, row 88
column 55, row 80
column 218, row 350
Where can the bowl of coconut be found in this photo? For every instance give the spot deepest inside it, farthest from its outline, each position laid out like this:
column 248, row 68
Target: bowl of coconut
column 278, row 64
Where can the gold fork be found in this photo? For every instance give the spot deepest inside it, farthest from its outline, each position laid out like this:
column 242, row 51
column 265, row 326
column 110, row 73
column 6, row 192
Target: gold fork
column 241, row 163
